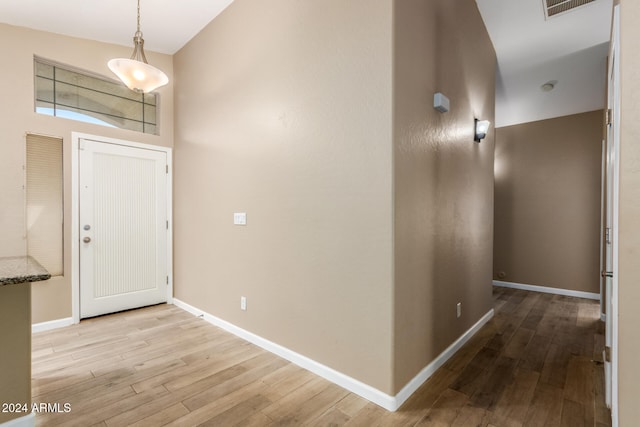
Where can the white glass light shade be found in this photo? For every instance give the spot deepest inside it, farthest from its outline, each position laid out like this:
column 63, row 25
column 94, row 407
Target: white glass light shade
column 482, row 127
column 137, row 75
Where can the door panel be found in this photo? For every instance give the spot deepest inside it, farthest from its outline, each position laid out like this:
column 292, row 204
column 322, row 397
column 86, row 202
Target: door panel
column 608, row 267
column 611, row 245
column 123, row 233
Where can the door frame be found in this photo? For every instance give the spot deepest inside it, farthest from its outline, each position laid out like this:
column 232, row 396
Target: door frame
column 75, row 212
column 614, row 73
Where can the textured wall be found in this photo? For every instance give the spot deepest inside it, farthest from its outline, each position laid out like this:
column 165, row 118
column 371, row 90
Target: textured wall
column 283, row 111
column 547, row 202
column 52, row 299
column 443, row 184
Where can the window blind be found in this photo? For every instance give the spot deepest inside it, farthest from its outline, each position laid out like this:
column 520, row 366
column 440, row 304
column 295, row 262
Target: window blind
column 44, row 202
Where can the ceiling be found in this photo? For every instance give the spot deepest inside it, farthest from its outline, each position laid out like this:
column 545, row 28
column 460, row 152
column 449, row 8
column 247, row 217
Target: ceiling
column 167, row 25
column 570, row 48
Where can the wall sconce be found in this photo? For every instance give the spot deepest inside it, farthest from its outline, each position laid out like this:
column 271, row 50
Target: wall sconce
column 481, row 129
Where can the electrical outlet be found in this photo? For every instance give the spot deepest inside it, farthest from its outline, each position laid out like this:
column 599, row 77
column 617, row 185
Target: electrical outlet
column 458, row 310
column 243, row 303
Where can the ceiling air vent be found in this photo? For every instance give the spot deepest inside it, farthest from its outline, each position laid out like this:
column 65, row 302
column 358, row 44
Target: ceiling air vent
column 557, row 7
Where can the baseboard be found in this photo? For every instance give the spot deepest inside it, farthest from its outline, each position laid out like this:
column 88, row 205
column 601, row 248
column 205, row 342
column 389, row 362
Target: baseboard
column 26, row 421
column 426, row 373
column 53, row 324
column 361, row 389
column 548, row 290
column 386, row 401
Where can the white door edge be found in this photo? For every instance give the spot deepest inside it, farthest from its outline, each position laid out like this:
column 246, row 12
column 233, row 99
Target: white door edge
column 76, row 137
column 603, row 215
column 615, row 40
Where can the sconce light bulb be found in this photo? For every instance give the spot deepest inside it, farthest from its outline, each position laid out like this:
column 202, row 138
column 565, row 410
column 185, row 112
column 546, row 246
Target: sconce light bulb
column 481, row 129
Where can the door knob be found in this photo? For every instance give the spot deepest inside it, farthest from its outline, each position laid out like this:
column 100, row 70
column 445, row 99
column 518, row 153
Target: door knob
column 86, row 239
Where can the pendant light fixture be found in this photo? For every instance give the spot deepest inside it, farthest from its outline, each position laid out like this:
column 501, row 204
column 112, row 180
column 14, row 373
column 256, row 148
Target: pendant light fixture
column 136, row 72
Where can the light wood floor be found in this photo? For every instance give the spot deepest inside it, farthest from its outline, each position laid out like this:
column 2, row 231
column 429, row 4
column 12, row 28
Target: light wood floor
column 537, row 363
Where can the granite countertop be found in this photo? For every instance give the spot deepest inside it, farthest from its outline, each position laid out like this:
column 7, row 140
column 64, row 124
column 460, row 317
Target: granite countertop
column 21, row 269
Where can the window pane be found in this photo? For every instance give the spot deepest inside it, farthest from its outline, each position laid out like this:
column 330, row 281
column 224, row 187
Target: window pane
column 85, row 81
column 44, row 89
column 150, row 99
column 97, row 102
column 44, row 70
column 150, row 114
column 149, row 128
column 46, row 108
column 83, row 97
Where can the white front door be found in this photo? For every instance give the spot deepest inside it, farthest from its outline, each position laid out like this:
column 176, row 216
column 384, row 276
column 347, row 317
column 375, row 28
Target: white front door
column 123, row 227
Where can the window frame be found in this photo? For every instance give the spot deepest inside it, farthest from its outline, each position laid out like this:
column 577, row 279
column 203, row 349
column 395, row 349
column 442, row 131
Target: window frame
column 136, row 102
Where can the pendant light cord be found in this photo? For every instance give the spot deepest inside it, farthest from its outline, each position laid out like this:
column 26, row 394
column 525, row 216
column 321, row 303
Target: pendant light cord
column 138, row 50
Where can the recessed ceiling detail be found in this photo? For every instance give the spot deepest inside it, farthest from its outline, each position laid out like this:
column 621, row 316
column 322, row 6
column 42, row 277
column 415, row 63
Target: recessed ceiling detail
column 558, row 7
column 549, row 86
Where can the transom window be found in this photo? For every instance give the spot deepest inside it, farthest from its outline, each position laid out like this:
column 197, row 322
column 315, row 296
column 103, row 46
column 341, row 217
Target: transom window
column 64, row 92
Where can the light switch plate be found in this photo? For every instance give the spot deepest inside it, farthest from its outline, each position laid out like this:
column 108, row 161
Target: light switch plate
column 240, row 218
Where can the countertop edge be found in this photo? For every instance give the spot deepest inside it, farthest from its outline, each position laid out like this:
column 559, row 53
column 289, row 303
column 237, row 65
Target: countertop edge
column 21, row 269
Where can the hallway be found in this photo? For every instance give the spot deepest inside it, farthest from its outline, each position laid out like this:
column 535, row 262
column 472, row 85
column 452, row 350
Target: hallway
column 536, row 363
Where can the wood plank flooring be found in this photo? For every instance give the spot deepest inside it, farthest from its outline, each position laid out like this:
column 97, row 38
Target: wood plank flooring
column 536, row 363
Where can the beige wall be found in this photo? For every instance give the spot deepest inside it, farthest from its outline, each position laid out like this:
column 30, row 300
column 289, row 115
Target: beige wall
column 443, row 180
column 283, row 111
column 15, row 350
column 547, row 202
column 629, row 238
column 52, row 299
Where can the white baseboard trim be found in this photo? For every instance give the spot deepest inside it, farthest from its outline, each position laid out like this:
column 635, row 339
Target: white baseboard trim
column 53, row 324
column 386, row 401
column 548, row 290
column 344, row 381
column 426, row 373
column 26, row 421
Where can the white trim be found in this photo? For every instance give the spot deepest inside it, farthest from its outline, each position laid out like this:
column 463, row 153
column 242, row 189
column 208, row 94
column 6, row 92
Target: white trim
column 26, row 421
column 603, row 317
column 170, row 226
column 75, row 228
column 75, row 212
column 388, row 402
column 361, row 389
column 603, row 226
column 429, row 370
column 548, row 290
column 615, row 40
column 50, row 325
